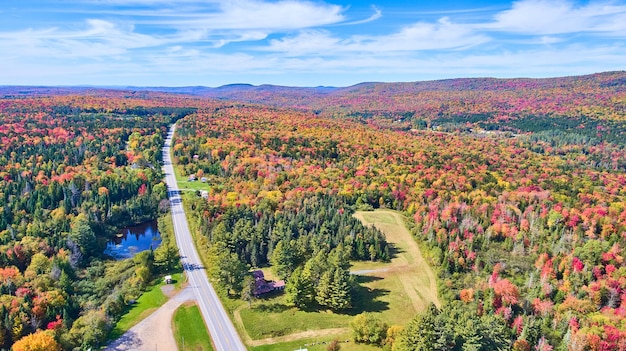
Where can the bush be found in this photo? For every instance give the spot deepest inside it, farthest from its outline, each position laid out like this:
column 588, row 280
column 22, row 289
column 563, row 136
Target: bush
column 368, row 329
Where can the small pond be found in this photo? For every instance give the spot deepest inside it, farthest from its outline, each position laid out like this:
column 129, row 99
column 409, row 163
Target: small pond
column 132, row 240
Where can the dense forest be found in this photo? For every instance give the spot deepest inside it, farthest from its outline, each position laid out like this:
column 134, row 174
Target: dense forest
column 527, row 230
column 74, row 170
column 516, row 189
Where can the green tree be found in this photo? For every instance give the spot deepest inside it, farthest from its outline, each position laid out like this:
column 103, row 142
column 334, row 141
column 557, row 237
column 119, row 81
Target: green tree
column 299, row 289
column 282, row 259
column 247, row 291
column 323, row 290
column 227, row 269
column 89, row 330
column 341, row 290
column 82, row 234
column 166, row 257
column 426, row 332
column 368, row 329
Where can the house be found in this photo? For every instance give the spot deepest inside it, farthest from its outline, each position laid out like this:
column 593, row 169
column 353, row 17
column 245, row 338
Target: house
column 203, row 179
column 192, row 178
column 262, row 286
column 168, row 279
column 204, row 194
column 196, row 157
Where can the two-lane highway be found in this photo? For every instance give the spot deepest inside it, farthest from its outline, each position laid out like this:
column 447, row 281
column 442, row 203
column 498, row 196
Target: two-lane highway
column 223, row 333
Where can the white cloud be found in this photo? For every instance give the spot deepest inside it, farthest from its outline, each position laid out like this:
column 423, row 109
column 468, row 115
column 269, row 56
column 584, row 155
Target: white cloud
column 377, row 14
column 546, row 17
column 183, row 42
column 98, row 39
column 287, row 14
column 228, row 14
column 416, row 37
column 212, row 24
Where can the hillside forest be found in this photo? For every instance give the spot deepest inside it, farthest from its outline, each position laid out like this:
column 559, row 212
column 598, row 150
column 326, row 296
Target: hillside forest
column 515, row 189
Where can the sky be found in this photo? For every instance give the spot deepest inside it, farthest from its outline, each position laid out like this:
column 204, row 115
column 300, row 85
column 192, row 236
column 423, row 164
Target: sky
column 303, row 43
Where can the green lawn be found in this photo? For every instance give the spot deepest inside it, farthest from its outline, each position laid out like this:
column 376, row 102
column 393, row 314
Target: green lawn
column 185, row 185
column 189, row 329
column 272, row 318
column 147, row 303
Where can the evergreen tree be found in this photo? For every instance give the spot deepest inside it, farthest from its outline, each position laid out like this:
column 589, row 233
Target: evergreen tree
column 82, row 234
column 299, row 290
column 323, row 290
column 341, row 290
column 282, row 260
column 247, row 291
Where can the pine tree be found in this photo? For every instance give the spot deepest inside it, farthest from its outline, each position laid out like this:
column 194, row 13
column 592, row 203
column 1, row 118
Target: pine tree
column 341, row 290
column 299, row 289
column 323, row 290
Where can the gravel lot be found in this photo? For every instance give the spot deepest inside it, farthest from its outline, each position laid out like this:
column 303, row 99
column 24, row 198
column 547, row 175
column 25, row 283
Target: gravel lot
column 155, row 332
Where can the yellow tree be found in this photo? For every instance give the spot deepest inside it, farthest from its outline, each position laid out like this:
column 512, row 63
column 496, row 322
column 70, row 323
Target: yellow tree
column 39, row 341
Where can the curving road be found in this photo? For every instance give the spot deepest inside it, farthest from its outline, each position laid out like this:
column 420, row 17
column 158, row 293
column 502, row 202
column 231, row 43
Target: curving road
column 220, row 327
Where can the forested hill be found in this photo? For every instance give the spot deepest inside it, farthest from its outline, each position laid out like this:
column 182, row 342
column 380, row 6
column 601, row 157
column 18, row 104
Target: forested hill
column 601, row 95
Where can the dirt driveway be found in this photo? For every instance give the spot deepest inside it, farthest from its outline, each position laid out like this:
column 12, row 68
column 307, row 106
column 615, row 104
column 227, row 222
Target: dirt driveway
column 155, row 332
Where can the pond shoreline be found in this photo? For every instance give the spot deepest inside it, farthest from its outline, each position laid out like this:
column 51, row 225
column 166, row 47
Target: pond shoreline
column 131, row 240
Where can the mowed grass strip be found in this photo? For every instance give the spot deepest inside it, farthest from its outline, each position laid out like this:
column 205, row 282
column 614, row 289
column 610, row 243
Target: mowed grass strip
column 418, row 279
column 189, row 329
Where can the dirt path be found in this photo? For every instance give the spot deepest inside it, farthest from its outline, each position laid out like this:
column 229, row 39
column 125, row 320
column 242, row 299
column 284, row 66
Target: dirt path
column 154, row 332
column 302, row 335
column 417, row 278
column 285, row 338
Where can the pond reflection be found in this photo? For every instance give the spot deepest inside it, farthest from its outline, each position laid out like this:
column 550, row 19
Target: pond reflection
column 132, row 240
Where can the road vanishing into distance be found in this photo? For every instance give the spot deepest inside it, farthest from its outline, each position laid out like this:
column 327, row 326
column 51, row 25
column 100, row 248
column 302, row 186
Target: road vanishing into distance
column 222, row 330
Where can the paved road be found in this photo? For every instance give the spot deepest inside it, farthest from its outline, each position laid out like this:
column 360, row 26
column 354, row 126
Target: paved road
column 222, row 331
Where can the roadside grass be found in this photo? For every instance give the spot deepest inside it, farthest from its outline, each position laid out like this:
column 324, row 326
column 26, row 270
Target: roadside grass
column 189, row 329
column 148, row 302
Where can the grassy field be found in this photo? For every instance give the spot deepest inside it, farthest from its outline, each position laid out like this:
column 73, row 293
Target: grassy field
column 185, row 185
column 273, row 318
column 147, row 303
column 408, row 266
column 189, row 331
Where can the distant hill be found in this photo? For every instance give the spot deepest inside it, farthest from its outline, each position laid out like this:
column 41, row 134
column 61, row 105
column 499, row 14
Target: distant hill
column 602, row 94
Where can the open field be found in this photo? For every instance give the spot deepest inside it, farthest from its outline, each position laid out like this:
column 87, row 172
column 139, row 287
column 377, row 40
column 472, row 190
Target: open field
column 187, row 326
column 395, row 290
column 407, row 266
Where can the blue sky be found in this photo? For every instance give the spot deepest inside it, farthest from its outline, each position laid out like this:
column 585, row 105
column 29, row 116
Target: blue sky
column 303, row 43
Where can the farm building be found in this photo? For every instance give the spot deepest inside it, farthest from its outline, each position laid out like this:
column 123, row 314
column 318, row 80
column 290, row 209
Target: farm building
column 262, row 286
